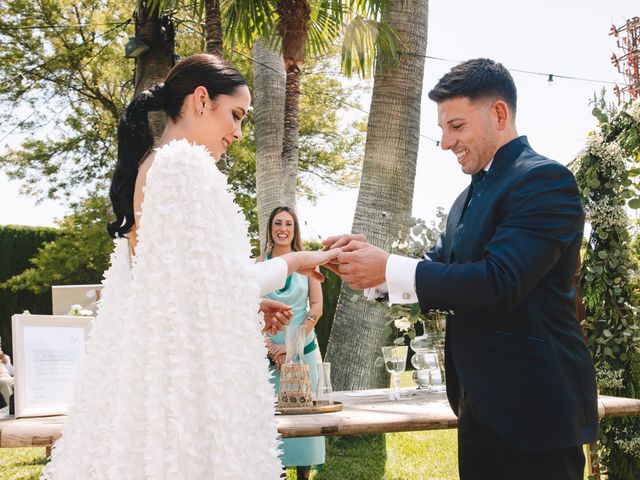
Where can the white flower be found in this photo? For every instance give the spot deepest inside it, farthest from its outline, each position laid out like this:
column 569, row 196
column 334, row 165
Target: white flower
column 78, row 310
column 610, row 154
column 605, row 215
column 402, row 324
column 74, row 309
column 634, row 110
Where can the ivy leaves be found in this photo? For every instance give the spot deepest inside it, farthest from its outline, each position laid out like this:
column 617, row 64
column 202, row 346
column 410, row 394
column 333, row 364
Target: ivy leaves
column 606, row 175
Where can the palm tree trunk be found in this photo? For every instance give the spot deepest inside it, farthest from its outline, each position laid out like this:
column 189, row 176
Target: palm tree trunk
column 385, row 197
column 290, row 150
column 152, row 67
column 214, row 45
column 213, row 26
column 294, row 16
column 268, row 106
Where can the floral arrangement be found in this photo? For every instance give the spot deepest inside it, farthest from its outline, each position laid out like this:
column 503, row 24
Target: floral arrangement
column 415, row 239
column 606, row 172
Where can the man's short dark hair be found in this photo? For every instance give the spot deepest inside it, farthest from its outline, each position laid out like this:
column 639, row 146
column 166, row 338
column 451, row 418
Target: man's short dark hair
column 476, row 79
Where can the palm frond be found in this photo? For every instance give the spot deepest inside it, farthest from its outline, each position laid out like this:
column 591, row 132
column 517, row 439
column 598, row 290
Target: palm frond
column 194, row 7
column 372, row 9
column 364, row 41
column 247, row 20
column 325, row 26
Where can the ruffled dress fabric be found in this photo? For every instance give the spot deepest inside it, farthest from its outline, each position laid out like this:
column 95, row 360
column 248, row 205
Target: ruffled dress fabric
column 176, row 382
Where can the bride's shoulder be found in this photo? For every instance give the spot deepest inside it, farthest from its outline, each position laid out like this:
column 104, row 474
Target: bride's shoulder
column 181, row 151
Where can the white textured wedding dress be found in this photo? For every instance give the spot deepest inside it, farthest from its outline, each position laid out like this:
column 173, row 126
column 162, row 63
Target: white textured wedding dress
column 175, row 383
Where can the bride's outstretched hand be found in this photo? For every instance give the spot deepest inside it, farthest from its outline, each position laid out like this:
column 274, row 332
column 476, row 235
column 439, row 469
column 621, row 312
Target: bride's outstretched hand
column 343, row 242
column 307, row 263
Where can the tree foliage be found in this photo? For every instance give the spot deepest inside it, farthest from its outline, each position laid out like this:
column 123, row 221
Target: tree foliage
column 605, row 173
column 330, row 149
column 63, row 84
column 78, row 255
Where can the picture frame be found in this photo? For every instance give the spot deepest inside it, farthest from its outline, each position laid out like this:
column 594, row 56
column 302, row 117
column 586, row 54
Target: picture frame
column 48, row 353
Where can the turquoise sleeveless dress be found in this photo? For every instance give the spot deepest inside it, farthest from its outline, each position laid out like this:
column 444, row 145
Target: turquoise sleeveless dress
column 308, row 451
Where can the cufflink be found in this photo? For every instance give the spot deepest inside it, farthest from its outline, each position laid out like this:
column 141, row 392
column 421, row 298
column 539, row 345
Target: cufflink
column 406, row 296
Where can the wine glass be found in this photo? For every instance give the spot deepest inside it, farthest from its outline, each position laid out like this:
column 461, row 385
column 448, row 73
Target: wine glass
column 395, row 359
column 427, row 363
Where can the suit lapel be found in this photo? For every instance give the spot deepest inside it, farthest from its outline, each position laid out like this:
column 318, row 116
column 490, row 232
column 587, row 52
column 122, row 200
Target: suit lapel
column 453, row 220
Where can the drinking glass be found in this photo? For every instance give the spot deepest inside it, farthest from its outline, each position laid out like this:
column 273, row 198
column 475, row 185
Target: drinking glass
column 324, row 390
column 395, row 359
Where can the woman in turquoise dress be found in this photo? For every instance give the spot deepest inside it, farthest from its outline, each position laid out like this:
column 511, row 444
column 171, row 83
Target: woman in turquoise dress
column 304, row 295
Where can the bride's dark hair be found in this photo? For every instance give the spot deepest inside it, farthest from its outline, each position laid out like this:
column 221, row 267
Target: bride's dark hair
column 135, row 138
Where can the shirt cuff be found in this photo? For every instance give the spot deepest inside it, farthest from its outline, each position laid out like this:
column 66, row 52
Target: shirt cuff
column 271, row 275
column 400, row 274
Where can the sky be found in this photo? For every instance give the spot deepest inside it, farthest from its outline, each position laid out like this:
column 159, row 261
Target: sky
column 568, row 37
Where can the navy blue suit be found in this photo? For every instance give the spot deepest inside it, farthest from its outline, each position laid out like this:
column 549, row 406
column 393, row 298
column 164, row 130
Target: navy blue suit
column 506, row 270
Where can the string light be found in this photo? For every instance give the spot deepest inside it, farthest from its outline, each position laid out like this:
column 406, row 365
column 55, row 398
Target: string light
column 550, row 76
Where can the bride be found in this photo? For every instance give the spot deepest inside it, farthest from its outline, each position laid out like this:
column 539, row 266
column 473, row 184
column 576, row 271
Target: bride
column 175, row 383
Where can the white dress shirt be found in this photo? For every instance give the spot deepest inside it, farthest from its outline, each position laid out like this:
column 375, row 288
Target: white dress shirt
column 400, row 276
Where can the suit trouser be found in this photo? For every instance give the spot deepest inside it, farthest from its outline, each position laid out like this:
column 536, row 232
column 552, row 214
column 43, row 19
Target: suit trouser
column 483, row 455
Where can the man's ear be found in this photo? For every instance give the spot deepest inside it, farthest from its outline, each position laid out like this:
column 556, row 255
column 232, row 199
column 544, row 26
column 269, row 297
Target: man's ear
column 503, row 114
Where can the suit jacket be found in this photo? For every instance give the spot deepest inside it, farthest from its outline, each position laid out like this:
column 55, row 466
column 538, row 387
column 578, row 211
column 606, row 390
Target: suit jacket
column 514, row 341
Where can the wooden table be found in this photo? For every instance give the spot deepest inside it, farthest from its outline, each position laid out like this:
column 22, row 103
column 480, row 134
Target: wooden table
column 364, row 412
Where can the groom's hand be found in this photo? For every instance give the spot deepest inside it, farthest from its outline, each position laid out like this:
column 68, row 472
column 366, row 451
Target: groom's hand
column 338, row 241
column 361, row 265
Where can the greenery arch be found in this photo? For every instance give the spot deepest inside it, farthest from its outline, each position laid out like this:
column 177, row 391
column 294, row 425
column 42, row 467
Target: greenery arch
column 607, row 172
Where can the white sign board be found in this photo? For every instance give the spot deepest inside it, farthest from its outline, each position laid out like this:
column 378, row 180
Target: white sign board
column 48, row 353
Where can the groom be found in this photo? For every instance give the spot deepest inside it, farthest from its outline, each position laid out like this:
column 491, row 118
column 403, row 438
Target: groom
column 519, row 375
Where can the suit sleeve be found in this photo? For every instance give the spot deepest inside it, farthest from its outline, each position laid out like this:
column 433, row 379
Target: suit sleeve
column 542, row 216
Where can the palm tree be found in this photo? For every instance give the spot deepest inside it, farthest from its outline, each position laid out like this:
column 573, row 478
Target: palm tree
column 293, row 28
column 299, row 26
column 213, row 26
column 386, row 194
column 269, row 80
column 156, row 31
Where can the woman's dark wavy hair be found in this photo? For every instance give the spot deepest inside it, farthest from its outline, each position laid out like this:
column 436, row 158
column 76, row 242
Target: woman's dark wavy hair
column 296, row 241
column 135, row 138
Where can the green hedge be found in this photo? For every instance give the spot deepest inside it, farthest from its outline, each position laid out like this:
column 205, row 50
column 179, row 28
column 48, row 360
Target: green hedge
column 18, row 244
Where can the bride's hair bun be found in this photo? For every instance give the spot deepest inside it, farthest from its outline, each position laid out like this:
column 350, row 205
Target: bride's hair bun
column 155, row 97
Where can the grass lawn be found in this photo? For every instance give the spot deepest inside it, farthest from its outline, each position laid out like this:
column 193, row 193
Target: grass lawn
column 430, row 455
column 21, row 463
